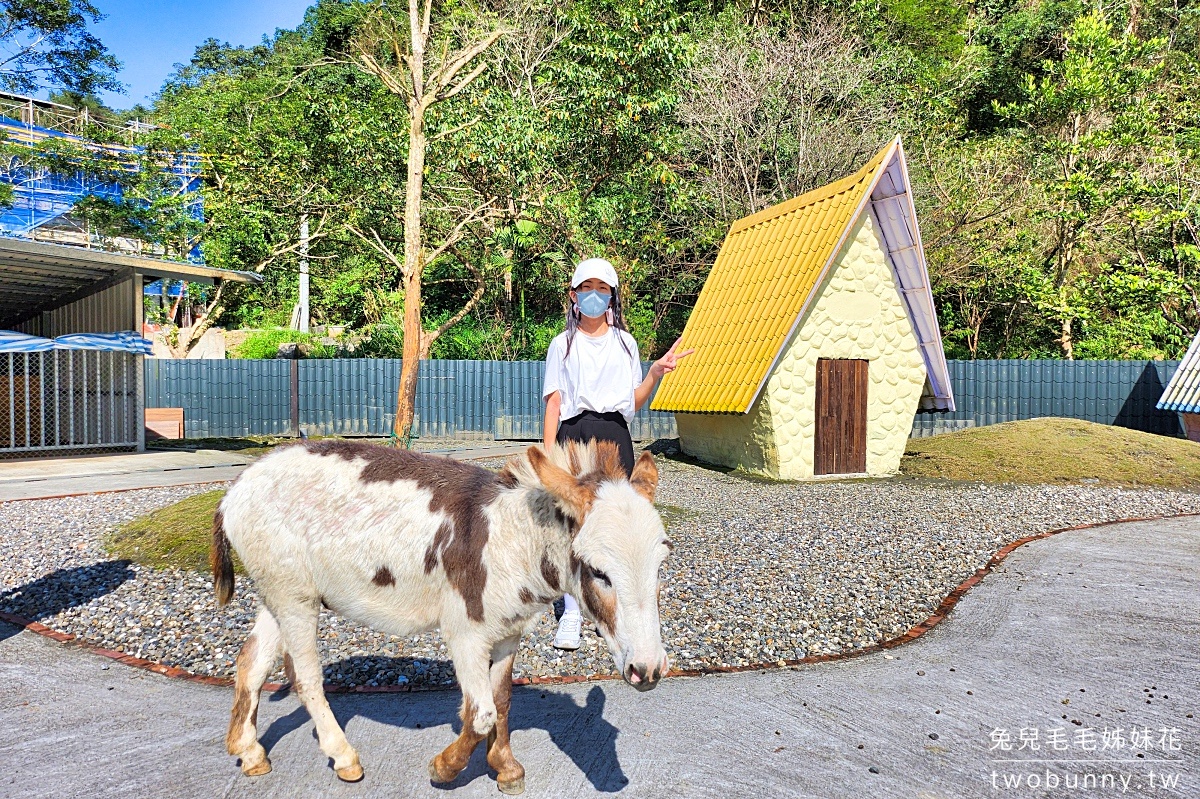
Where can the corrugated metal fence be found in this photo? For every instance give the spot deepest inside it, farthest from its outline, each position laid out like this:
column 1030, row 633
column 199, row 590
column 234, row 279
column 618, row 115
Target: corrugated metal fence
column 357, row 397
column 1121, row 393
column 502, row 400
column 223, row 398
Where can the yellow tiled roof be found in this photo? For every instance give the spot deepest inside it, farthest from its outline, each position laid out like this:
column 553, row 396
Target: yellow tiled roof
column 768, row 266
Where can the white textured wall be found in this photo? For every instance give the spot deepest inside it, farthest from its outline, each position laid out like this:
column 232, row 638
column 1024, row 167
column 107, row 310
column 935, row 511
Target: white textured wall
column 858, row 313
column 744, row 441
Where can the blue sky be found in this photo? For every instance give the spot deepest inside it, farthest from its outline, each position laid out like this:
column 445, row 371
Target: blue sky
column 151, row 36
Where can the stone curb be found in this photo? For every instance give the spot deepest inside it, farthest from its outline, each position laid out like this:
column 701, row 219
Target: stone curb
column 913, row 633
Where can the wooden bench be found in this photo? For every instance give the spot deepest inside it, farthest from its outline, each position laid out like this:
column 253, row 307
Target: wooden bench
column 164, row 423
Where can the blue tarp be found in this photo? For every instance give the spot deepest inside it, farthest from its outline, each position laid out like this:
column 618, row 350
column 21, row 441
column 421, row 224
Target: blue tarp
column 126, row 341
column 12, row 341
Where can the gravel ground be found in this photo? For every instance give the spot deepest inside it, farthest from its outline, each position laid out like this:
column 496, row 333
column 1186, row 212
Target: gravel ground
column 760, row 572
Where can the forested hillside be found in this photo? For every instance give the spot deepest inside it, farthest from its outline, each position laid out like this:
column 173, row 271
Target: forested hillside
column 1053, row 146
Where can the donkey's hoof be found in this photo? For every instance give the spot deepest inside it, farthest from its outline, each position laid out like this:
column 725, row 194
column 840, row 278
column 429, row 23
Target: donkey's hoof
column 512, row 787
column 258, row 769
column 438, row 775
column 351, row 773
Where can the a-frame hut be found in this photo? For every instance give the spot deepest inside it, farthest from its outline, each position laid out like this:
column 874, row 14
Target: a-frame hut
column 815, row 334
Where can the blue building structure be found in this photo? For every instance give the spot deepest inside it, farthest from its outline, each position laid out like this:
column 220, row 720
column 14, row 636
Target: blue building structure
column 43, row 200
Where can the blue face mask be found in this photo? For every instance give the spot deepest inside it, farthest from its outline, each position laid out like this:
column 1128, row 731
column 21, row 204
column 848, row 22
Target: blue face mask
column 593, row 303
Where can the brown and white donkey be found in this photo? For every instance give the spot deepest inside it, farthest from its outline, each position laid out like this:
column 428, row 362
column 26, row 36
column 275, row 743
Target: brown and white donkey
column 406, row 542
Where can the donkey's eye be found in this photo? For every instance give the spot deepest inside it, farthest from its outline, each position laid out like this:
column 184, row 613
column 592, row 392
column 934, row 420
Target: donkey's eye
column 599, row 576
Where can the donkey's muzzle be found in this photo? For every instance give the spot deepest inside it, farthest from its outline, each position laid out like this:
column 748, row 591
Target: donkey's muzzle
column 642, row 676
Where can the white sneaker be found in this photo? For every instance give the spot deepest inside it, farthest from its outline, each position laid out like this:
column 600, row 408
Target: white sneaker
column 568, row 630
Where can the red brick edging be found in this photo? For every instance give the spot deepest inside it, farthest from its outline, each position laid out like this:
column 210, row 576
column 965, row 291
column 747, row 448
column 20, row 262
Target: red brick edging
column 914, row 632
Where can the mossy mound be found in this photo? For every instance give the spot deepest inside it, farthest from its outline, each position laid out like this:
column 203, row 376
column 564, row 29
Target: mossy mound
column 177, row 536
column 1052, row 450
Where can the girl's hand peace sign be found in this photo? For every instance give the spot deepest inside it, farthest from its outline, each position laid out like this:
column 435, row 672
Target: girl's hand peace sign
column 668, row 362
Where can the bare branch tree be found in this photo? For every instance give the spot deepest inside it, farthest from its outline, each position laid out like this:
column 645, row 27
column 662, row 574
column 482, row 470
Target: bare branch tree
column 770, row 115
column 396, row 51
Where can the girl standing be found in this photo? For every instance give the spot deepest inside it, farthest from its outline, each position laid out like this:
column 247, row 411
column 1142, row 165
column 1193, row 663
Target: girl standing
column 594, row 383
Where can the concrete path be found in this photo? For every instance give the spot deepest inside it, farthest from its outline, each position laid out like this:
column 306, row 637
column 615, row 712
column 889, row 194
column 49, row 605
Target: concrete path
column 37, row 478
column 1084, row 630
column 88, row 474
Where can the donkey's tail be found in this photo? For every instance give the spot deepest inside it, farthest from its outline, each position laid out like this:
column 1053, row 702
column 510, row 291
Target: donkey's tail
column 220, row 560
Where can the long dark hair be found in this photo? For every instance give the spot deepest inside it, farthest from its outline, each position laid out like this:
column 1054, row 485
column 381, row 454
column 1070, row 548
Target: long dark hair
column 618, row 321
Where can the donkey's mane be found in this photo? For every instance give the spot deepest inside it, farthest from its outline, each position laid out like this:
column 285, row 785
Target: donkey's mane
column 594, row 461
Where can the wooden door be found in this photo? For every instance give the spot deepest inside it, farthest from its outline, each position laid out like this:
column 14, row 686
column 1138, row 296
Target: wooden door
column 841, row 442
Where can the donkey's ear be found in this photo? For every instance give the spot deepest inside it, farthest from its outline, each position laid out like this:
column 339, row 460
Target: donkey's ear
column 645, row 476
column 575, row 497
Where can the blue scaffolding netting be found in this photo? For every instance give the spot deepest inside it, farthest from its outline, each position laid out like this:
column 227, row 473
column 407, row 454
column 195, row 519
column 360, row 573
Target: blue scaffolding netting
column 42, row 198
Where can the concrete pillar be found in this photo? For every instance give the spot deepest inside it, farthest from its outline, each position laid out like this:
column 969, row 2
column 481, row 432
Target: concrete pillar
column 303, row 323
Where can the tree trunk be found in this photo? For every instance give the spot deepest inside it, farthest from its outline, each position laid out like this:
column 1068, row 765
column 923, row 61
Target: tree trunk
column 407, row 78
column 413, row 267
column 1067, row 340
column 195, row 332
column 406, row 402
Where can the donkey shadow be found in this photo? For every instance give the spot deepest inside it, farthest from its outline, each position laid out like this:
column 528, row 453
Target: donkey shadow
column 580, row 732
column 59, row 590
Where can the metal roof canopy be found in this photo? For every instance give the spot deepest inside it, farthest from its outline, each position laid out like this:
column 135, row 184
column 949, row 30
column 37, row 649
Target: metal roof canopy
column 37, row 277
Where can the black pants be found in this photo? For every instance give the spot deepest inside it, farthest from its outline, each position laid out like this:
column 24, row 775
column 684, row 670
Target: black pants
column 602, row 427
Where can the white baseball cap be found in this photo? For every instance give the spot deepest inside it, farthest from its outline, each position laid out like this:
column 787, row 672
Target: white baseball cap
column 594, row 267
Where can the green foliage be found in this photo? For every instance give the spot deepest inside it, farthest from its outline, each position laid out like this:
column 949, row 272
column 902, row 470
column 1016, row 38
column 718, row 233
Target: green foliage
column 931, row 28
column 80, row 101
column 1013, row 40
column 265, row 344
column 490, row 339
column 1091, row 125
column 383, row 340
column 1053, row 147
column 47, row 43
column 1067, row 228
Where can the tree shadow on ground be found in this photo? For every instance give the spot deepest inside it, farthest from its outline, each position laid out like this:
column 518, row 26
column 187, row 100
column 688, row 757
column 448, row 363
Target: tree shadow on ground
column 53, row 593
column 580, row 732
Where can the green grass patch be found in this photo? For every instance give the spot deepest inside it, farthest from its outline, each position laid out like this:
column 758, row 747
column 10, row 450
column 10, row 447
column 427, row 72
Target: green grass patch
column 1052, row 450
column 264, row 344
column 177, row 536
column 673, row 514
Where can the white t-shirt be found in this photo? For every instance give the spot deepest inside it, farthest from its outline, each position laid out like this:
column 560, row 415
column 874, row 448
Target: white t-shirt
column 598, row 376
